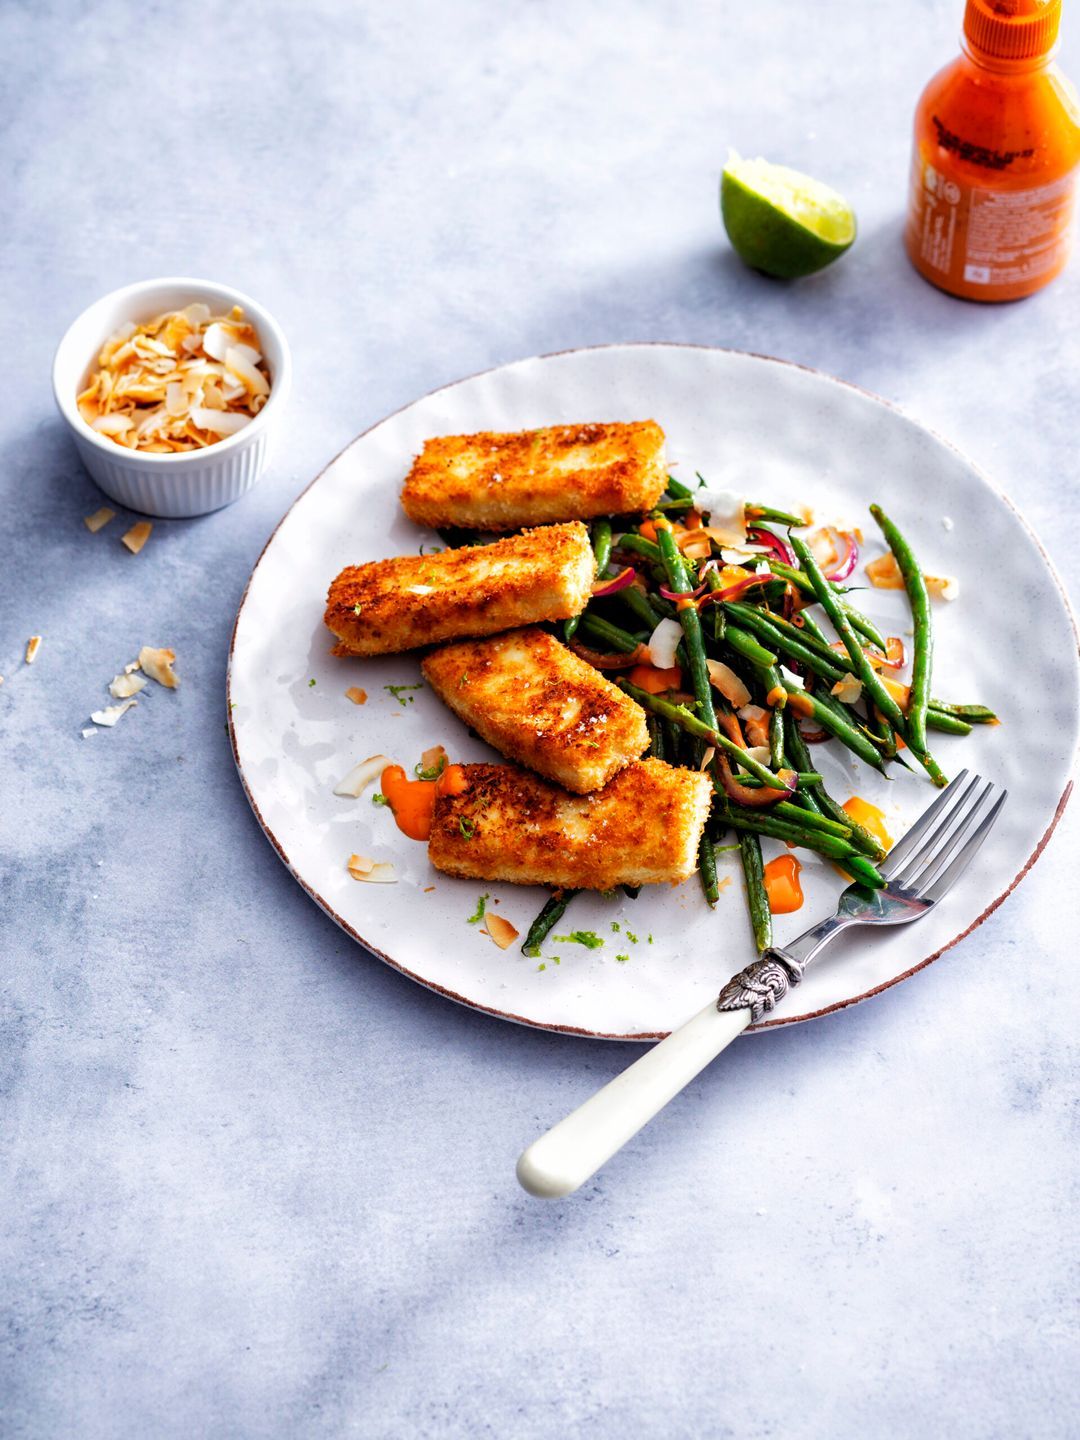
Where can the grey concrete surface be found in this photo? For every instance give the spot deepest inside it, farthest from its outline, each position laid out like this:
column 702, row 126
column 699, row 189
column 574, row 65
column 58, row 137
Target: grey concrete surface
column 256, row 1185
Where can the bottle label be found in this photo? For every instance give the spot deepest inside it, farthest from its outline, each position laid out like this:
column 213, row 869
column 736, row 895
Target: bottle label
column 989, row 237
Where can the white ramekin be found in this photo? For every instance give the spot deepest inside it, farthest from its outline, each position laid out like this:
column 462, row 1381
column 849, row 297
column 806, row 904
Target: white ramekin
column 172, row 485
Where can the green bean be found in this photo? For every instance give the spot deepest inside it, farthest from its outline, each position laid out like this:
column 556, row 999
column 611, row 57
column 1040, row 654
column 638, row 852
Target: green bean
column 776, row 739
column 690, row 619
column 836, row 724
column 805, row 780
column 757, row 898
column 842, row 625
column 755, row 512
column 759, row 622
column 875, row 690
column 947, row 724
column 601, row 544
column 812, row 819
column 745, row 644
column 923, row 658
column 690, row 723
column 974, row 714
column 810, row 625
column 549, row 916
column 861, row 622
column 657, row 748
column 644, row 608
column 862, row 870
column 707, row 869
column 797, row 752
column 831, row 846
column 604, row 633
column 636, row 544
column 678, row 489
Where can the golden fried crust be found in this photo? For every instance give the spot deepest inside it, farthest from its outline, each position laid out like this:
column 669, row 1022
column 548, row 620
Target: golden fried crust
column 390, row 605
column 643, row 827
column 542, row 705
column 564, row 472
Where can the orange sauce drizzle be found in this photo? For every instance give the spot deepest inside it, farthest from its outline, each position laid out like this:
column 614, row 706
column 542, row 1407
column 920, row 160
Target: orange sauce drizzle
column 413, row 801
column 869, row 817
column 782, row 886
column 654, row 680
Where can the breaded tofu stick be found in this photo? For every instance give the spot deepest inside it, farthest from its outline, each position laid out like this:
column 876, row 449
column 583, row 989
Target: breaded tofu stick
column 643, row 827
column 390, row 605
column 564, row 472
column 542, row 705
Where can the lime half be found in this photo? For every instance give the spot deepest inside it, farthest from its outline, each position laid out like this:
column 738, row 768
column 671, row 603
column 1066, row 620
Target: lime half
column 782, row 222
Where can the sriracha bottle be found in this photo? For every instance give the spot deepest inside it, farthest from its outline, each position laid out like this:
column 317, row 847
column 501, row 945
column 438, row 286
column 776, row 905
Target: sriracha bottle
column 997, row 143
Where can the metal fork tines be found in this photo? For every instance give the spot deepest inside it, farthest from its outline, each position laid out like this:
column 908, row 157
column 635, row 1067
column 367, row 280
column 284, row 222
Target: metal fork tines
column 945, row 839
column 917, row 871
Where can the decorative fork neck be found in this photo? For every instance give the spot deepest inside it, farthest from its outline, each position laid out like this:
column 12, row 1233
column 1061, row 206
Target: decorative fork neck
column 764, row 983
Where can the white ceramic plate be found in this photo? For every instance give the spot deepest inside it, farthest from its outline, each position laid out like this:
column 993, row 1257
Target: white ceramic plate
column 783, row 435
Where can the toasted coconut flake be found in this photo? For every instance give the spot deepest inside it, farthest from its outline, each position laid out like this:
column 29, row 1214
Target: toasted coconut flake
column 724, row 679
column 33, row 645
column 124, row 685
column 848, row 690
column 433, row 758
column 501, row 931
column 158, row 665
column 88, row 731
column 356, row 695
column 727, row 514
column 885, row 574
column 132, row 666
column 137, row 536
column 98, row 519
column 373, row 872
column 157, row 383
column 760, row 753
column 219, row 422
column 361, row 775
column 112, row 713
column 707, row 758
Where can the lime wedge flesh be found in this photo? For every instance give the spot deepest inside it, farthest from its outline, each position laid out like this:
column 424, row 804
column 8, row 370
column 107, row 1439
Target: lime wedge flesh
column 781, row 221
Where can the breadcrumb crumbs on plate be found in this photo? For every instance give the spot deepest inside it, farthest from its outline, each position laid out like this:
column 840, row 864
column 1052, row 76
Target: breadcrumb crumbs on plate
column 356, row 695
column 99, row 519
column 137, row 536
column 33, row 645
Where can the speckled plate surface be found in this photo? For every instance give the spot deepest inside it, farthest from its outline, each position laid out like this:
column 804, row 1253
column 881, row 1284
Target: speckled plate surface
column 781, row 433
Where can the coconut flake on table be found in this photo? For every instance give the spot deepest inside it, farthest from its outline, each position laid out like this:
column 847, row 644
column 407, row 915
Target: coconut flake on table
column 137, row 536
column 33, row 645
column 123, row 686
column 112, row 713
column 98, row 519
column 158, row 665
column 663, row 642
column 361, row 775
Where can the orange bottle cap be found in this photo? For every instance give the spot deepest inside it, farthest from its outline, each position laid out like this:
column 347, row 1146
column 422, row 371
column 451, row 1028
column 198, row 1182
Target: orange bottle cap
column 1012, row 29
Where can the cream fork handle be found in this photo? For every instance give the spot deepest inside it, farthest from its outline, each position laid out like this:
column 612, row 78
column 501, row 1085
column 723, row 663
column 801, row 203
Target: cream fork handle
column 575, row 1148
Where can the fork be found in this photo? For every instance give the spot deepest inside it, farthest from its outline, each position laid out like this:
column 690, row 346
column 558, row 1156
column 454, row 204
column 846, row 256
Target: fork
column 918, row 872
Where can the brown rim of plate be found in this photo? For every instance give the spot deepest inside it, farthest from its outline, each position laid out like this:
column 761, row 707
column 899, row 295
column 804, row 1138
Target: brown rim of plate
column 659, row 1034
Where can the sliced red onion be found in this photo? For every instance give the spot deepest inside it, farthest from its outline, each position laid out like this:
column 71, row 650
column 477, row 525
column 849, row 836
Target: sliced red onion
column 850, row 560
column 613, row 661
column 620, row 582
column 676, row 595
column 733, row 592
column 755, row 798
column 773, row 543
